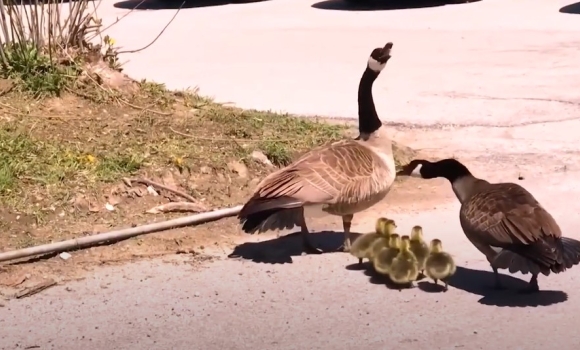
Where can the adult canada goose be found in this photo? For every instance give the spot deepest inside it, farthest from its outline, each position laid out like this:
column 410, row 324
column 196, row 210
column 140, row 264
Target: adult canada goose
column 507, row 216
column 342, row 178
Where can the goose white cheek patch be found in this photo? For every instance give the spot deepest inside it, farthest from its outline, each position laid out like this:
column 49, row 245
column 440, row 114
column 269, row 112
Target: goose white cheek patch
column 375, row 65
column 417, row 171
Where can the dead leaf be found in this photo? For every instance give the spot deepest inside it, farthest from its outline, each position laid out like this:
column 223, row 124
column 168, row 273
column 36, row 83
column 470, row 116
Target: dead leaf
column 114, row 200
column 238, row 168
column 81, row 203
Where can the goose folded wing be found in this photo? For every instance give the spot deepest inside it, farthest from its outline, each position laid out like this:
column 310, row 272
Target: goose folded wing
column 504, row 223
column 322, row 176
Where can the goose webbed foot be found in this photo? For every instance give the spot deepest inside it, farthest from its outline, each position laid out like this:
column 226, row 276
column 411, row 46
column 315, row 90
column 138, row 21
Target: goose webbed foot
column 308, row 247
column 532, row 286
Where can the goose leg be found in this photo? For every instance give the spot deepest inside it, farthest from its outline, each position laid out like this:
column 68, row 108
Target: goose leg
column 532, row 286
column 307, row 244
column 498, row 285
column 346, row 223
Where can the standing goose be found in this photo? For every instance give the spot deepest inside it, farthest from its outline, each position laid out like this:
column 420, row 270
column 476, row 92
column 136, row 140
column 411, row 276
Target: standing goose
column 342, row 178
column 507, row 216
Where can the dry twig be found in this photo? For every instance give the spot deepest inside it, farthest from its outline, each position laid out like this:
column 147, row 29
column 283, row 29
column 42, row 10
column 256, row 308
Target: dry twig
column 30, row 291
column 160, row 186
column 178, row 206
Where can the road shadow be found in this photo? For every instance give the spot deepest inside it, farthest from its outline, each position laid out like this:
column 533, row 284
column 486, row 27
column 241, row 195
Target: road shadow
column 383, row 5
column 33, row 2
column 573, row 9
column 280, row 250
column 176, row 4
column 481, row 283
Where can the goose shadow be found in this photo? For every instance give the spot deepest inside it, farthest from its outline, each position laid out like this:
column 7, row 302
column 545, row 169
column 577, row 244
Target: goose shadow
column 176, row 4
column 378, row 5
column 481, row 283
column 572, row 9
column 280, row 250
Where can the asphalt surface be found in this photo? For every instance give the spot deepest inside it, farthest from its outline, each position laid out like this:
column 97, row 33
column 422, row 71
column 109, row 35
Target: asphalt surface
column 508, row 66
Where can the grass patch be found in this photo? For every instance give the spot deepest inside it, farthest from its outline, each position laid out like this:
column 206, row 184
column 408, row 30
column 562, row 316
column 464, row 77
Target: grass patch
column 76, row 144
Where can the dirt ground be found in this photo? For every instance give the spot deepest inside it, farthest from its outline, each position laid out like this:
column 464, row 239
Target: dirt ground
column 72, row 167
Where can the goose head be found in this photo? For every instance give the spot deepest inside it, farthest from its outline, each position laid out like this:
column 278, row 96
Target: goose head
column 370, row 126
column 379, row 57
column 450, row 168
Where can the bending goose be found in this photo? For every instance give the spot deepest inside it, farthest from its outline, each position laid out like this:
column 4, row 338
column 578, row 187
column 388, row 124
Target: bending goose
column 507, row 216
column 342, row 178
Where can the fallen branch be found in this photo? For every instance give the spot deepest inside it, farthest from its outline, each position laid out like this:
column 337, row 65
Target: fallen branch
column 177, row 206
column 160, row 186
column 30, row 291
column 84, row 242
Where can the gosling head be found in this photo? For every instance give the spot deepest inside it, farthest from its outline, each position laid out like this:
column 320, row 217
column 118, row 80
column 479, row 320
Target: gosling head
column 385, row 226
column 416, row 233
column 379, row 57
column 394, row 241
column 405, row 242
column 436, row 246
column 380, row 224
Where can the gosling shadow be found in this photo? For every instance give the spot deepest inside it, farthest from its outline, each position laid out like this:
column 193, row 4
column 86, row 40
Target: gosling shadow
column 481, row 283
column 431, row 287
column 280, row 250
column 378, row 279
column 359, row 267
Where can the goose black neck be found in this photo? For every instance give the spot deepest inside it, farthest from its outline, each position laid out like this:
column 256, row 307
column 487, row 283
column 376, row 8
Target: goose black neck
column 451, row 169
column 368, row 119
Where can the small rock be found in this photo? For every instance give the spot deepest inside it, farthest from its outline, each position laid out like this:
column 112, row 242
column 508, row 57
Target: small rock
column 109, row 207
column 65, row 256
column 94, row 208
column 205, row 170
column 238, row 168
column 152, row 191
column 196, row 294
column 261, row 158
column 168, row 179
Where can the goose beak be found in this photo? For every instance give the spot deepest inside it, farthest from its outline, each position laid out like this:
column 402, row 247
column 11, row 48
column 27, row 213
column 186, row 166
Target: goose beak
column 386, row 51
column 404, row 171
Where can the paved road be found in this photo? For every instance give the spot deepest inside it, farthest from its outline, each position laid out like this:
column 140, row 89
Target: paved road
column 312, row 303
column 484, row 57
column 288, row 53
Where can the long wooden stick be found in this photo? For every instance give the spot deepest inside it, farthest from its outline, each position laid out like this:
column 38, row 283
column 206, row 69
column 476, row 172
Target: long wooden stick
column 119, row 234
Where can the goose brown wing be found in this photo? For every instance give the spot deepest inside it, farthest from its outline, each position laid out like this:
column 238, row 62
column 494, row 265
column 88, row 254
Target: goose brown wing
column 322, row 175
column 506, row 215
